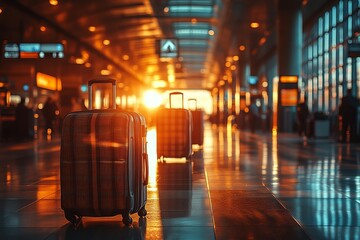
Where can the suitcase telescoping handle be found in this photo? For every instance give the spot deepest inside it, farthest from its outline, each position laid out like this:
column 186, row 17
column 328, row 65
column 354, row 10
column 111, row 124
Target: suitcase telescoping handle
column 192, row 100
column 102, row 80
column 177, row 93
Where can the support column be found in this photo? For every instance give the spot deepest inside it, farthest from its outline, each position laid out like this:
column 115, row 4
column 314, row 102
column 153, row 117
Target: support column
column 289, row 51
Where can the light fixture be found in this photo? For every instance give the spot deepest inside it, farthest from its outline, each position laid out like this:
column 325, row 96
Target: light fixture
column 262, row 41
column 125, row 57
column 166, row 9
column 254, row 25
column 106, row 42
column 105, row 72
column 242, row 48
column 43, row 28
column 53, row 2
column 79, row 61
column 92, row 29
column 211, row 32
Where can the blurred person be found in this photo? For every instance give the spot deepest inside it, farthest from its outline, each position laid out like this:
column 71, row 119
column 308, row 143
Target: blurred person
column 22, row 120
column 50, row 112
column 302, row 114
column 348, row 112
column 254, row 116
column 75, row 105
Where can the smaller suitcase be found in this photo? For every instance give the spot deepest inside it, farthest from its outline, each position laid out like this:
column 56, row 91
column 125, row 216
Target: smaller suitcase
column 173, row 131
column 197, row 135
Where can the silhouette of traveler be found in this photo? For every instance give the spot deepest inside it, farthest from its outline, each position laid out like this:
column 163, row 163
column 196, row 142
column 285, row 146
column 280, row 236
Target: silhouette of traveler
column 302, row 113
column 50, row 113
column 254, row 116
column 348, row 112
column 22, row 121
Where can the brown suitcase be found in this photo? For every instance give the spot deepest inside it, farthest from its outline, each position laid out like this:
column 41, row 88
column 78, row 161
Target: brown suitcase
column 103, row 163
column 197, row 135
column 173, row 131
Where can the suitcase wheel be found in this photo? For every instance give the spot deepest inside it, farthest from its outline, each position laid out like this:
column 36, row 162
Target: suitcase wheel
column 142, row 212
column 127, row 220
column 72, row 218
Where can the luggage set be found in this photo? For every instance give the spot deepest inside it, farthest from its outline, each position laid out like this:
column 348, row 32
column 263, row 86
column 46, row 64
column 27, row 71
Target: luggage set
column 103, row 162
column 103, row 158
column 177, row 129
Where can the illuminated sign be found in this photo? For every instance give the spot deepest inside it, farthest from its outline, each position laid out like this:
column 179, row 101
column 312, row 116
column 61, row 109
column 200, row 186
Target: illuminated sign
column 288, row 79
column 289, row 97
column 169, row 48
column 48, row 82
column 33, row 50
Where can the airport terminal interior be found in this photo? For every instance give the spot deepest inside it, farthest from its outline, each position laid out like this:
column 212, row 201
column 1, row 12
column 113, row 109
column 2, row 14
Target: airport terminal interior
column 277, row 86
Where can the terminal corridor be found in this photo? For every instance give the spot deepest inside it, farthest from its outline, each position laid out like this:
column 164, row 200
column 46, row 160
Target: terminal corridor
column 240, row 185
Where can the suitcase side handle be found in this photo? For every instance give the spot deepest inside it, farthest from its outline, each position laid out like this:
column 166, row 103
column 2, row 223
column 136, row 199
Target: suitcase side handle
column 146, row 160
column 102, row 80
column 192, row 100
column 177, row 93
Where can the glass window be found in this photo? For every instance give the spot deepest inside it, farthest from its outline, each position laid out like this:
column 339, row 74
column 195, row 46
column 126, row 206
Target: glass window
column 310, row 55
column 350, row 9
column 333, row 16
column 326, row 100
column 326, row 42
column 340, row 30
column 320, row 41
column 341, row 55
column 326, row 60
column 333, row 58
column 315, row 51
column 333, row 37
column 341, row 11
column 341, row 75
column 349, row 21
column 320, row 26
column 326, row 22
column 348, row 72
column 320, row 81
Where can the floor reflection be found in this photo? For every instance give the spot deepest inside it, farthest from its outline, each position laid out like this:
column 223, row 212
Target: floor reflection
column 104, row 229
column 239, row 185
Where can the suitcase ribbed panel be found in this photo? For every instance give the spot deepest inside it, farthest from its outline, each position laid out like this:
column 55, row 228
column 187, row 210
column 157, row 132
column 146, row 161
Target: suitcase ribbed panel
column 140, row 166
column 173, row 131
column 95, row 163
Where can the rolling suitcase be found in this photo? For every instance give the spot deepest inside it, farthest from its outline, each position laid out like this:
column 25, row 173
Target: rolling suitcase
column 103, row 162
column 173, row 131
column 197, row 135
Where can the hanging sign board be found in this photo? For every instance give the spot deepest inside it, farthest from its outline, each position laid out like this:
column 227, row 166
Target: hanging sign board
column 169, row 48
column 33, row 50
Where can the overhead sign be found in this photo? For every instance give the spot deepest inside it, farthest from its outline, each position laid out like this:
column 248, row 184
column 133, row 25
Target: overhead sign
column 48, row 82
column 33, row 50
column 169, row 48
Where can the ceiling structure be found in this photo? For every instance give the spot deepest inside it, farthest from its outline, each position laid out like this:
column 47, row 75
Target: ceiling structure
column 124, row 38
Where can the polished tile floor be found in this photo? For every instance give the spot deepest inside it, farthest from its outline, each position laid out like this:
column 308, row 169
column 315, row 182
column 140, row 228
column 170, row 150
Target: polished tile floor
column 240, row 185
